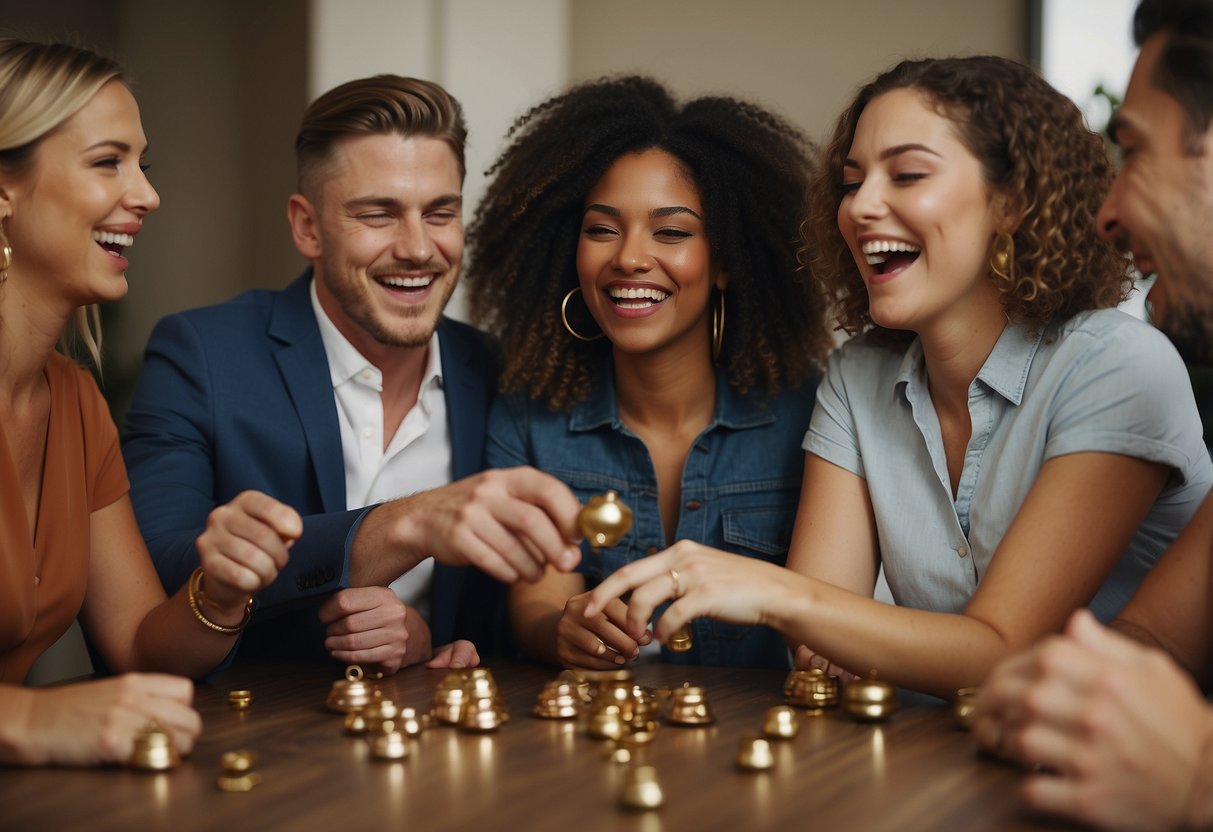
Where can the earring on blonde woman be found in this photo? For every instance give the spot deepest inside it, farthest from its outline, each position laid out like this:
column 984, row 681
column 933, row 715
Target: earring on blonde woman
column 1002, row 258
column 6, row 256
column 564, row 317
column 717, row 328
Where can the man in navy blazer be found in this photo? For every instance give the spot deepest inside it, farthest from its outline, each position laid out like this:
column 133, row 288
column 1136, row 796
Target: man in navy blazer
column 347, row 389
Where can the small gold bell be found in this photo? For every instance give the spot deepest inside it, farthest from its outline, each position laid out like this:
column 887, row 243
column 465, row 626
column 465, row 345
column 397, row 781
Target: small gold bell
column 450, row 698
column 689, row 706
column 389, row 745
column 605, row 723
column 812, row 689
column 621, row 756
column 869, row 700
column 379, row 717
column 412, row 723
column 558, row 700
column 641, row 789
column 240, row 699
column 351, row 692
column 781, row 723
column 238, row 774
column 963, row 707
column 154, row 750
column 755, row 754
column 682, row 641
column 483, row 715
column 604, row 520
column 354, row 722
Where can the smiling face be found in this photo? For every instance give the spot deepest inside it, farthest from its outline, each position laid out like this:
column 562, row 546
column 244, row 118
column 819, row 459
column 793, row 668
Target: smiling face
column 643, row 258
column 1162, row 202
column 918, row 217
column 385, row 237
column 74, row 213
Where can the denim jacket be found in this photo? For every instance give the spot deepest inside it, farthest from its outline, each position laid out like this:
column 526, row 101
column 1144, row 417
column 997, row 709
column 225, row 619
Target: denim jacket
column 740, row 488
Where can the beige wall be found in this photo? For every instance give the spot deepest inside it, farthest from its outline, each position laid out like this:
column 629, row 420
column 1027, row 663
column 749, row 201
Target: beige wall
column 803, row 59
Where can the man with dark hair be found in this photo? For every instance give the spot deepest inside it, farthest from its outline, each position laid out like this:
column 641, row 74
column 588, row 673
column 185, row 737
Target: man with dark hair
column 1121, row 735
column 349, row 390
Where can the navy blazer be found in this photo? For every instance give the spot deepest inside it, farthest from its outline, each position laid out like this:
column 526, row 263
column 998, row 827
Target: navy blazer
column 238, row 396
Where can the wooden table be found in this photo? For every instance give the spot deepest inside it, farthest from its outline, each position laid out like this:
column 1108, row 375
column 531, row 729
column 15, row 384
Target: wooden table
column 914, row 772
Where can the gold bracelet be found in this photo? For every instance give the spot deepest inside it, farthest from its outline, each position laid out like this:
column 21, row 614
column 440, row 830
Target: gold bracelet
column 195, row 594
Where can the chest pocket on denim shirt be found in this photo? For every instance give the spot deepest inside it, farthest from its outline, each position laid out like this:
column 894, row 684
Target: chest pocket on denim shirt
column 763, row 534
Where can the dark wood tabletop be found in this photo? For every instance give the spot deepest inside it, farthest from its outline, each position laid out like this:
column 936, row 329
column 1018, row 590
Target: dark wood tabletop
column 916, row 771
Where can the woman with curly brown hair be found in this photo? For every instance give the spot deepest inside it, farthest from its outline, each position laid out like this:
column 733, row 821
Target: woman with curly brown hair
column 637, row 258
column 1001, row 440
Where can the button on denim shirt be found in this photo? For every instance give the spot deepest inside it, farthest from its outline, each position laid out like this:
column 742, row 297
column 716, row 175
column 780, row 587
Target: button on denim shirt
column 740, row 487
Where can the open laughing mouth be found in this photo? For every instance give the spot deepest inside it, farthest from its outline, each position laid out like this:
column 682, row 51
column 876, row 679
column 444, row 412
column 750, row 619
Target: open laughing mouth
column 409, row 285
column 112, row 242
column 641, row 298
column 889, row 256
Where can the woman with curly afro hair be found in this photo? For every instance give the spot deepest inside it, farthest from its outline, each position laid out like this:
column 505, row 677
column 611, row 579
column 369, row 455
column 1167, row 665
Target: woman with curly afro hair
column 637, row 257
column 998, row 437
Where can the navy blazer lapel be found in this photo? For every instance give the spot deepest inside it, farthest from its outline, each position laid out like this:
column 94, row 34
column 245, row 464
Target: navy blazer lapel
column 305, row 372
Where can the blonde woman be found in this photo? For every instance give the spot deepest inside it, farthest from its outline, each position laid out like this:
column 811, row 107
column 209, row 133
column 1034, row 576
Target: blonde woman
column 73, row 197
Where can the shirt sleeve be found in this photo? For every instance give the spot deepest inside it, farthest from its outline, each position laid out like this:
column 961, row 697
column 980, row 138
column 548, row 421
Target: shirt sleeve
column 831, row 434
column 1129, row 394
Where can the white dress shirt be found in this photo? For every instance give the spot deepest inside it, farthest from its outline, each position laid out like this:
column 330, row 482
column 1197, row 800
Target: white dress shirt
column 417, row 458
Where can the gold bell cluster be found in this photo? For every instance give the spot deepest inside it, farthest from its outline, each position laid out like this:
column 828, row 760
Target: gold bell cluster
column 154, row 750
column 469, row 699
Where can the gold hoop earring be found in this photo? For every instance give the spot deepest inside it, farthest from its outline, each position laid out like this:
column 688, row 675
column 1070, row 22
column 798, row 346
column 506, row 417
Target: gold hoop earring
column 6, row 256
column 1002, row 258
column 717, row 328
column 564, row 317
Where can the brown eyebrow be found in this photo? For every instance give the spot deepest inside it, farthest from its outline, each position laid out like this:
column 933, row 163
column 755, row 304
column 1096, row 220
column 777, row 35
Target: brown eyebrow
column 896, row 150
column 656, row 213
column 444, row 201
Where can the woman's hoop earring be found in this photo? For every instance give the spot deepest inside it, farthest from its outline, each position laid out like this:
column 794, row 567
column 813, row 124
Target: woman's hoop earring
column 6, row 256
column 564, row 317
column 1002, row 258
column 717, row 328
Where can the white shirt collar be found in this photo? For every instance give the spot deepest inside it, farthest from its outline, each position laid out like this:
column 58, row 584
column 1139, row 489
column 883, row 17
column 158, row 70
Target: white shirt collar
column 346, row 363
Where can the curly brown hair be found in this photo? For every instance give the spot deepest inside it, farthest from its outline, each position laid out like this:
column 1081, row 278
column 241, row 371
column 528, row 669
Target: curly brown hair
column 1034, row 149
column 751, row 169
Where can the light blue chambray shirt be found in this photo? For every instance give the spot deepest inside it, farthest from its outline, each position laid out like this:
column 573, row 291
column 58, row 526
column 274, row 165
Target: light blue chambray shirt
column 1101, row 381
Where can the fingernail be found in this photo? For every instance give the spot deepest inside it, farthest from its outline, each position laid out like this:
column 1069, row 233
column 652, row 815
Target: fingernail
column 600, row 649
column 636, row 653
column 620, row 660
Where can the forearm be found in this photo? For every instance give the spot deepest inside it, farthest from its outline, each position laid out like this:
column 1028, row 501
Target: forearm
column 171, row 638
column 388, row 542
column 933, row 652
column 18, row 739
column 1200, row 800
column 535, row 625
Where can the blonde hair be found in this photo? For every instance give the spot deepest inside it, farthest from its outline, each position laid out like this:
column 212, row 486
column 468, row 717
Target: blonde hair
column 42, row 85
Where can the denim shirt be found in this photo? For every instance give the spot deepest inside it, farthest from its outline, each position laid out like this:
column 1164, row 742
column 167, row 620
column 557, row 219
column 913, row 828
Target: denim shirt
column 740, row 488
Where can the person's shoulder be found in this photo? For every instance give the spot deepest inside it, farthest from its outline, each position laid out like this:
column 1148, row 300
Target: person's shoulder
column 1112, row 328
column 468, row 343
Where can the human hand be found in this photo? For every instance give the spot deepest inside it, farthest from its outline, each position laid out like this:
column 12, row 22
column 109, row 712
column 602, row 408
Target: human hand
column 597, row 643
column 245, row 546
column 457, row 654
column 510, row 523
column 1118, row 729
column 806, row 659
column 370, row 625
column 90, row 723
column 701, row 581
